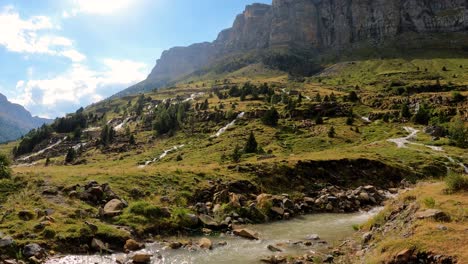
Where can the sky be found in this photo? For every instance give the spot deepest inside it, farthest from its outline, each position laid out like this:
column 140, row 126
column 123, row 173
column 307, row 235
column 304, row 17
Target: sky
column 59, row 55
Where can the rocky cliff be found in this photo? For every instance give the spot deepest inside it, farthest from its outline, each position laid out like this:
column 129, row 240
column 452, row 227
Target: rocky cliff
column 312, row 25
column 16, row 121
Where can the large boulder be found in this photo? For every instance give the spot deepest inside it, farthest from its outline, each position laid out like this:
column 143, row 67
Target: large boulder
column 142, row 258
column 208, row 221
column 33, row 250
column 132, row 245
column 205, row 243
column 113, row 207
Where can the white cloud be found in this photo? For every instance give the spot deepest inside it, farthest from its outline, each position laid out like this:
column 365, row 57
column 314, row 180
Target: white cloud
column 78, row 86
column 97, row 7
column 33, row 36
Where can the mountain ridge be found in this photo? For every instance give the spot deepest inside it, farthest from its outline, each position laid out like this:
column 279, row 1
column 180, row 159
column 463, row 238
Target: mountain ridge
column 309, row 25
column 15, row 120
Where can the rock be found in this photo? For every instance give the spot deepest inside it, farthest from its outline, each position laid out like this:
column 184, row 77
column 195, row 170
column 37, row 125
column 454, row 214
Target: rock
column 34, row 259
column 33, row 250
column 73, row 195
column 132, row 245
column 222, row 244
column 221, row 197
column 26, row 215
column 113, row 207
column 328, row 259
column 205, row 243
column 442, row 227
column 6, row 241
column 50, row 191
column 404, row 256
column 246, row 233
column 313, row 237
column 366, row 237
column 274, row 260
column 277, row 210
column 141, row 258
column 329, row 207
column 175, row 245
column 234, row 200
column 208, row 221
column 274, row 249
column 98, row 245
column 288, row 204
column 432, row 213
column 363, row 196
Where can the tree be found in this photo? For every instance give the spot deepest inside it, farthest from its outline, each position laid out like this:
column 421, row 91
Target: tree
column 318, row 120
column 331, row 132
column 5, row 171
column 132, row 140
column 332, row 97
column 71, row 155
column 349, row 121
column 458, row 133
column 47, row 162
column 353, row 97
column 422, row 116
column 318, row 98
column 405, row 111
column 271, row 117
column 236, row 154
column 251, row 145
column 107, row 135
column 326, row 99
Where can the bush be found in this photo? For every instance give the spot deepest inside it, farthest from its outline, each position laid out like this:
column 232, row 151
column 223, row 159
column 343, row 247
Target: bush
column 5, row 171
column 271, row 117
column 456, row 182
column 251, row 145
column 145, row 209
column 429, row 202
column 458, row 133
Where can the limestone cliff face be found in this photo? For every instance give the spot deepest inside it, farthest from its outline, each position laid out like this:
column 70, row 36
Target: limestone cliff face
column 314, row 24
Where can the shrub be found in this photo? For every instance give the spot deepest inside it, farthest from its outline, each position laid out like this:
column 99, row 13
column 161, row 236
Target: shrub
column 458, row 133
column 456, row 182
column 5, row 171
column 331, row 132
column 145, row 209
column 251, row 145
column 71, row 155
column 429, row 202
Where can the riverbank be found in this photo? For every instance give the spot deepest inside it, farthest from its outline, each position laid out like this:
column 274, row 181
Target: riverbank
column 423, row 225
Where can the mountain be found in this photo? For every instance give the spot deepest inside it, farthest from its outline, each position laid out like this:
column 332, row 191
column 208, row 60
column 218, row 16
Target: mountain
column 16, row 121
column 309, row 28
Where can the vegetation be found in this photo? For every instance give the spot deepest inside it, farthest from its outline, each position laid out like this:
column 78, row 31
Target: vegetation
column 251, row 145
column 456, row 182
column 5, row 171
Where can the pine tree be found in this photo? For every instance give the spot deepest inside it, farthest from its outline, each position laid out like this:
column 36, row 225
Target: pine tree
column 271, row 117
column 131, row 140
column 236, row 154
column 331, row 132
column 71, row 155
column 405, row 111
column 318, row 98
column 251, row 145
column 353, row 97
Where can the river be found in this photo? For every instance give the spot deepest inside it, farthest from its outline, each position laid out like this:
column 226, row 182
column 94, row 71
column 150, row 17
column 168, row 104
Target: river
column 330, row 227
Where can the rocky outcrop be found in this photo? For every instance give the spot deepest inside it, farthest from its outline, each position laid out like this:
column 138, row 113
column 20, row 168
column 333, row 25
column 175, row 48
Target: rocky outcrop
column 310, row 25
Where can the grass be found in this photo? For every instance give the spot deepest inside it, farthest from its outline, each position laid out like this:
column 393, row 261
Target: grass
column 424, row 235
column 456, row 182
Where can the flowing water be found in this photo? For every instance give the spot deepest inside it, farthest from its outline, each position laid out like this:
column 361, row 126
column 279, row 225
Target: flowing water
column 283, row 234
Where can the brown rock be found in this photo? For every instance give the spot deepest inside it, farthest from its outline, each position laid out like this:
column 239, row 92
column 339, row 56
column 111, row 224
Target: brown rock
column 142, row 258
column 132, row 245
column 432, row 213
column 205, row 243
column 246, row 233
column 113, row 207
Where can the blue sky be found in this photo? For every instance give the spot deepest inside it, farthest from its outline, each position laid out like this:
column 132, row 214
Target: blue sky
column 58, row 55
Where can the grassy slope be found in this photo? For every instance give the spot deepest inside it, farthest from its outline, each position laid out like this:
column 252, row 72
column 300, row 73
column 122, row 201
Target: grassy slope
column 202, row 155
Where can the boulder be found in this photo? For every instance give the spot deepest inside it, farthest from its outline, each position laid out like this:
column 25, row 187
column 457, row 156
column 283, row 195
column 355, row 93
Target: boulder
column 33, row 250
column 234, row 200
column 221, row 197
column 208, row 221
column 6, row 241
column 26, row 215
column 98, row 245
column 366, row 237
column 113, row 207
column 246, row 233
column 205, row 243
column 277, row 210
column 142, row 258
column 132, row 245
column 363, row 196
column 432, row 213
column 175, row 245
